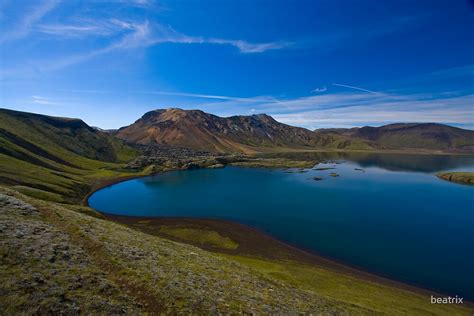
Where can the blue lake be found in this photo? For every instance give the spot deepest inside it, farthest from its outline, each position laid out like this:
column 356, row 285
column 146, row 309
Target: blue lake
column 394, row 218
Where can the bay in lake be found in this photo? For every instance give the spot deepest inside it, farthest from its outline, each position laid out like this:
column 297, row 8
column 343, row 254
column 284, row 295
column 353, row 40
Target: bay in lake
column 393, row 218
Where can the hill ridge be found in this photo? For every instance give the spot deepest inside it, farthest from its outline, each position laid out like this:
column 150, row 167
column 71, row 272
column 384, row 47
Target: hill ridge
column 239, row 133
column 259, row 132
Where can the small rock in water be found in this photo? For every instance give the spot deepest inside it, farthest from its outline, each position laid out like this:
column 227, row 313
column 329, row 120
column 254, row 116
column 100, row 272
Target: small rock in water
column 334, row 174
column 317, row 179
column 323, row 168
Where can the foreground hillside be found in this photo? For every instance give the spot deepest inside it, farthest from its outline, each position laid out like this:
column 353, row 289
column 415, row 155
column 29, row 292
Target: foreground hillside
column 203, row 131
column 57, row 158
column 56, row 259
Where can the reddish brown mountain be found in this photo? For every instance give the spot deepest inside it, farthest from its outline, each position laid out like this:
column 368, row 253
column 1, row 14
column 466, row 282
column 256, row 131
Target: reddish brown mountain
column 199, row 130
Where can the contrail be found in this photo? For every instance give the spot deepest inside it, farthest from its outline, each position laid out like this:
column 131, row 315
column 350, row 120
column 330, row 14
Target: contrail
column 218, row 97
column 357, row 88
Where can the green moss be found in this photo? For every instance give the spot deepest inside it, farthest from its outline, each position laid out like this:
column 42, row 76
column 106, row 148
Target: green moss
column 349, row 289
column 39, row 194
column 200, row 236
column 86, row 210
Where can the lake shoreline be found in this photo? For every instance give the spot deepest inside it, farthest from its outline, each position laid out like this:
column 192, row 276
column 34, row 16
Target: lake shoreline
column 262, row 155
column 297, row 253
column 99, row 185
column 264, row 239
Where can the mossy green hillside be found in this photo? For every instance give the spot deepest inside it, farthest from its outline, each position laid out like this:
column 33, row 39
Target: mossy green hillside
column 57, row 260
column 57, row 159
column 281, row 262
column 200, row 236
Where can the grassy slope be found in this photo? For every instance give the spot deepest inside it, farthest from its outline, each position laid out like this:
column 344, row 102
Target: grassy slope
column 277, row 261
column 458, row 177
column 348, row 289
column 200, row 236
column 76, row 262
column 55, row 158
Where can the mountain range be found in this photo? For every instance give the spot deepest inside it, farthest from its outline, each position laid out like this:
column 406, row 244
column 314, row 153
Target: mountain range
column 199, row 130
column 66, row 156
column 430, row 136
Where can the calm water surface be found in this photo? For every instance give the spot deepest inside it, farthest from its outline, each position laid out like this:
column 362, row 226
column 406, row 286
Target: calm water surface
column 394, row 218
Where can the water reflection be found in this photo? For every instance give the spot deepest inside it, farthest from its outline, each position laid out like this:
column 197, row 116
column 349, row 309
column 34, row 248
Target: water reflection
column 390, row 161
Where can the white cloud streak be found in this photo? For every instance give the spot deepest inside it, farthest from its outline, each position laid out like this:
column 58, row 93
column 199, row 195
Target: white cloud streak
column 135, row 35
column 356, row 109
column 215, row 97
column 344, row 112
column 149, row 34
column 246, row 47
column 123, row 35
column 166, row 34
column 319, row 90
column 87, row 29
column 357, row 88
column 41, row 100
column 25, row 24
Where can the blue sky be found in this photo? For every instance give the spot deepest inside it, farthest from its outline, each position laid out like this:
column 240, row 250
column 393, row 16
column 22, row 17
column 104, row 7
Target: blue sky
column 314, row 64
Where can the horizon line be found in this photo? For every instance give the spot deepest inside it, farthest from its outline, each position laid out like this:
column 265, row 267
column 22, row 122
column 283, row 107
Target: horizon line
column 257, row 114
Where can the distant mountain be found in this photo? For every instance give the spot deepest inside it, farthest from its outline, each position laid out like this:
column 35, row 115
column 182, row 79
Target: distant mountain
column 430, row 136
column 199, row 130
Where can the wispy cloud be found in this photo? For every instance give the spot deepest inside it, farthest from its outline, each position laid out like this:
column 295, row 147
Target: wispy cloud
column 319, row 90
column 136, row 35
column 354, row 109
column 42, row 100
column 342, row 110
column 453, row 111
column 143, row 34
column 357, row 88
column 214, row 97
column 167, row 34
column 247, row 47
column 25, row 24
column 78, row 30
